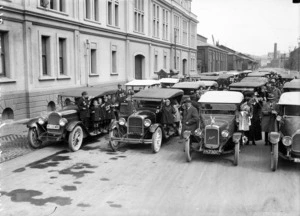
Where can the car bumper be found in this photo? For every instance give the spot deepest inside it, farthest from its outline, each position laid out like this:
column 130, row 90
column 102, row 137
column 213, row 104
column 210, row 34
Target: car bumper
column 131, row 140
column 293, row 158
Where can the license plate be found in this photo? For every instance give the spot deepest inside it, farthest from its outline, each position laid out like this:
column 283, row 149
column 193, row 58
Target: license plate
column 297, row 160
column 50, row 126
column 210, row 151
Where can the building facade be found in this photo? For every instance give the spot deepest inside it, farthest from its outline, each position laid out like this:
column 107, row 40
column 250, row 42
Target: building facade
column 50, row 45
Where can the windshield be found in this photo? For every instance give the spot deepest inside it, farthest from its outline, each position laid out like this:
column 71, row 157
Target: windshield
column 148, row 104
column 218, row 108
column 292, row 110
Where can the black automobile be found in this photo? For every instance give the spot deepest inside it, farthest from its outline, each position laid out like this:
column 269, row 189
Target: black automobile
column 64, row 124
column 144, row 126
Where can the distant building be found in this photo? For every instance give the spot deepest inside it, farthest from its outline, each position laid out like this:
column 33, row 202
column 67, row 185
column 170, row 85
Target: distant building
column 50, row 45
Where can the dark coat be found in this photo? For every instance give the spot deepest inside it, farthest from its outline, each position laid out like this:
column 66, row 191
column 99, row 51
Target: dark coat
column 95, row 113
column 102, row 112
column 109, row 114
column 83, row 105
column 121, row 95
column 255, row 128
column 190, row 119
column 167, row 114
column 268, row 120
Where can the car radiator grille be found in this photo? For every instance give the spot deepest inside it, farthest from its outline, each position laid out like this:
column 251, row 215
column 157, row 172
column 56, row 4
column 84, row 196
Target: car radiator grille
column 212, row 136
column 54, row 118
column 135, row 125
column 296, row 143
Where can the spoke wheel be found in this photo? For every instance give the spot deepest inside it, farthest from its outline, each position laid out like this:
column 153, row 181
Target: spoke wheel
column 113, row 143
column 180, row 129
column 156, row 140
column 274, row 157
column 236, row 154
column 188, row 150
column 75, row 139
column 33, row 140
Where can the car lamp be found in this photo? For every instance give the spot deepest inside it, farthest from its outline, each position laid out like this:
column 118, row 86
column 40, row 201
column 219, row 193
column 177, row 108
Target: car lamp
column 122, row 121
column 279, row 118
column 147, row 122
column 63, row 122
column 186, row 134
column 41, row 121
column 198, row 132
column 287, row 140
column 225, row 133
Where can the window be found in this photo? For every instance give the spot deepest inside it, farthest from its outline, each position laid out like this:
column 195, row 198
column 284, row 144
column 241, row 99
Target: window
column 139, row 16
column 93, row 61
column 92, row 10
column 193, row 35
column 58, row 5
column 3, row 68
column 193, row 62
column 165, row 62
column 45, row 55
column 184, row 32
column 113, row 12
column 165, row 24
column 156, row 62
column 176, row 29
column 114, row 59
column 62, row 56
column 155, row 32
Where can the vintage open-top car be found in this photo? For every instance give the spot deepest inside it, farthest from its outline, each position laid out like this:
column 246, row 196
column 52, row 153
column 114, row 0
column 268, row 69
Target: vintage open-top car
column 168, row 82
column 189, row 88
column 65, row 123
column 219, row 135
column 137, row 85
column 255, row 79
column 144, row 126
column 292, row 86
column 260, row 74
column 246, row 86
column 286, row 142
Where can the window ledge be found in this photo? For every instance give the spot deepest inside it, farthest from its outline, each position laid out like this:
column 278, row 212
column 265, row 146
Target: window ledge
column 92, row 21
column 46, row 78
column 112, row 26
column 137, row 32
column 7, row 80
column 63, row 78
column 93, row 75
column 114, row 74
column 52, row 10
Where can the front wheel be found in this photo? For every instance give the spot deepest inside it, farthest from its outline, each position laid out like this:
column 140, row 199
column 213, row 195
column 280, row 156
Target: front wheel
column 114, row 145
column 274, row 157
column 236, row 154
column 180, row 129
column 33, row 140
column 75, row 139
column 156, row 140
column 188, row 150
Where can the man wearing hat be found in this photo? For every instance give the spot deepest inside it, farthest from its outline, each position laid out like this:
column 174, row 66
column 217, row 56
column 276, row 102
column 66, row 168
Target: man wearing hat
column 269, row 113
column 190, row 117
column 272, row 89
column 84, row 111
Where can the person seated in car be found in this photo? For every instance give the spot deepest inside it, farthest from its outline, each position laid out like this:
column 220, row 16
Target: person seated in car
column 68, row 102
column 84, row 111
column 167, row 115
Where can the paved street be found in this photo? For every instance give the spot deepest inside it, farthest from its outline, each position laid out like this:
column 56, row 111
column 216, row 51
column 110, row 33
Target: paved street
column 133, row 181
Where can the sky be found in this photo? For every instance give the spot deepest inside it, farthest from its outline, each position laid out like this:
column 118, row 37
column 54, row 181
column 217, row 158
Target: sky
column 249, row 26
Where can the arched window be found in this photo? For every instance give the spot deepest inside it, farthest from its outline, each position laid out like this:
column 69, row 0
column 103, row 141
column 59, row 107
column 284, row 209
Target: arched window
column 7, row 113
column 51, row 106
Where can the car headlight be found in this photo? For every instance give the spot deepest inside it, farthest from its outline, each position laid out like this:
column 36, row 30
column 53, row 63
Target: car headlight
column 225, row 133
column 287, row 141
column 186, row 134
column 147, row 122
column 63, row 122
column 279, row 118
column 198, row 132
column 122, row 121
column 42, row 120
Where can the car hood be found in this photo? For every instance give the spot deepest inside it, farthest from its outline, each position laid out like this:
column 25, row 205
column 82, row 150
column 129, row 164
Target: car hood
column 223, row 121
column 144, row 114
column 290, row 125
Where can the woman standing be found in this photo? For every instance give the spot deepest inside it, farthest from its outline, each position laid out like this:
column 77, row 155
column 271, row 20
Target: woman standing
column 255, row 128
column 168, row 112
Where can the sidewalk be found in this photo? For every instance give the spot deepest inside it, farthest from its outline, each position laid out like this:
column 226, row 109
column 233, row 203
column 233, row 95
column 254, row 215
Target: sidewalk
column 13, row 139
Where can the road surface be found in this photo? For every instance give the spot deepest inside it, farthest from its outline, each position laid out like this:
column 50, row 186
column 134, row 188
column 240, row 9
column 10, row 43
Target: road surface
column 134, row 181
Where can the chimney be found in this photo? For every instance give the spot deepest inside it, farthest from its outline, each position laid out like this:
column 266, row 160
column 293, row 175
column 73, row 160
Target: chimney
column 275, row 51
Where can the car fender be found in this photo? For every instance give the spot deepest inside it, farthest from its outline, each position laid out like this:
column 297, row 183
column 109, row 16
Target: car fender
column 114, row 124
column 153, row 127
column 70, row 126
column 32, row 123
column 236, row 137
column 274, row 137
column 186, row 134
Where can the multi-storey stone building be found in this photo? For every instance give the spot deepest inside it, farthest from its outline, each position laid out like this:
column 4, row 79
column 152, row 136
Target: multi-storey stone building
column 50, row 45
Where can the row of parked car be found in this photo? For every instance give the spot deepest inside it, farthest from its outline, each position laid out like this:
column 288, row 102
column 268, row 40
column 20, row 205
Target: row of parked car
column 143, row 126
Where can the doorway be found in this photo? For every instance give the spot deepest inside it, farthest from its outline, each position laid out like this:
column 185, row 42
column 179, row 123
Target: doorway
column 139, row 66
column 184, row 61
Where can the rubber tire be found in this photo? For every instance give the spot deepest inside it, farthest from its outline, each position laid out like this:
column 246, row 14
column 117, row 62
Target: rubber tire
column 274, row 157
column 188, row 150
column 114, row 145
column 236, row 154
column 76, row 147
column 156, row 148
column 180, row 129
column 32, row 140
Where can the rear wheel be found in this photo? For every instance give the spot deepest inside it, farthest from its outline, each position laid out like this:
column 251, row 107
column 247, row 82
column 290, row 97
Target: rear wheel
column 75, row 139
column 274, row 157
column 113, row 143
column 188, row 150
column 156, row 140
column 33, row 140
column 236, row 154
